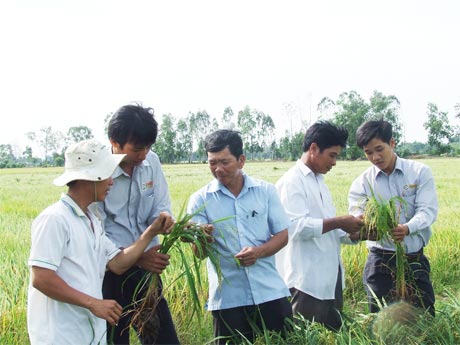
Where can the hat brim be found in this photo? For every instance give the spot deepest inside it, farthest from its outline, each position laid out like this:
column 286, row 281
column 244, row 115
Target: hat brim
column 99, row 172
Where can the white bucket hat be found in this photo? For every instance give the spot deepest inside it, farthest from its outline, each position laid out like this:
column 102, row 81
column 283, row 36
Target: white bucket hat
column 88, row 160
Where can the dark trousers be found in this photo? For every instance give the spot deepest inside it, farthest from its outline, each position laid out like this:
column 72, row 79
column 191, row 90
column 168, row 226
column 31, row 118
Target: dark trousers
column 230, row 324
column 122, row 288
column 379, row 279
column 326, row 312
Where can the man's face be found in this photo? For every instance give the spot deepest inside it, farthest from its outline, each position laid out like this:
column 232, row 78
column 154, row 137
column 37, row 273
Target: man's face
column 102, row 188
column 134, row 154
column 323, row 161
column 224, row 166
column 381, row 154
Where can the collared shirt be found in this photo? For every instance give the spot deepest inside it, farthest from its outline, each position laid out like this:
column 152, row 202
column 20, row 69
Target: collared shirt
column 311, row 259
column 134, row 202
column 411, row 180
column 256, row 215
column 63, row 241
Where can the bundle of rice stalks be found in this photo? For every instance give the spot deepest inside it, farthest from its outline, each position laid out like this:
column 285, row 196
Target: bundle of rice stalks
column 380, row 217
column 144, row 315
column 399, row 323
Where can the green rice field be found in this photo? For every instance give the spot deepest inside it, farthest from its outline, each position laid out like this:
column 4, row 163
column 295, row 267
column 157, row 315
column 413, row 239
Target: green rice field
column 24, row 193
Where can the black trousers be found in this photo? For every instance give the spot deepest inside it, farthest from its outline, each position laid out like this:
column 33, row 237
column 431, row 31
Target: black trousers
column 379, row 279
column 326, row 312
column 230, row 323
column 122, row 288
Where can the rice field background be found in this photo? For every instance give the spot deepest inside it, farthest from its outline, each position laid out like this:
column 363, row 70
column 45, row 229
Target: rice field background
column 24, row 193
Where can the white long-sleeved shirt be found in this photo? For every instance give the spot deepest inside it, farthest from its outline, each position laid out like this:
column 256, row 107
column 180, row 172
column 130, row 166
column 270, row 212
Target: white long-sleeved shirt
column 311, row 259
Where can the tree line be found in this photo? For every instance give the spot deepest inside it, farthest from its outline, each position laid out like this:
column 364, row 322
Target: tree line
column 181, row 140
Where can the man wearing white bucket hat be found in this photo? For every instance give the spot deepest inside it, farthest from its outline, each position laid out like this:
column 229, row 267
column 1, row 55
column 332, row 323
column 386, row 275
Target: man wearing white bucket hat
column 70, row 253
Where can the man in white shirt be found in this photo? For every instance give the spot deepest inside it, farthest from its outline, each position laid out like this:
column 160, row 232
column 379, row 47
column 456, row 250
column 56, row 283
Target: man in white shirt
column 391, row 176
column 310, row 263
column 70, row 253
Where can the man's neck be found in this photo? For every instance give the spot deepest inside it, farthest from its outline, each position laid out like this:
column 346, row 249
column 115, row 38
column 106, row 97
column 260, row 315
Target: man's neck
column 236, row 187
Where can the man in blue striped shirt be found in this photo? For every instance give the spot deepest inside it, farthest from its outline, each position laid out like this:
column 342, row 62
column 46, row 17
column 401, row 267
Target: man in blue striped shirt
column 391, row 176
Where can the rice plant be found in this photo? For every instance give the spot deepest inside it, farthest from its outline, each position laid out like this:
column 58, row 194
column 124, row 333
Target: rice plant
column 184, row 231
column 380, row 217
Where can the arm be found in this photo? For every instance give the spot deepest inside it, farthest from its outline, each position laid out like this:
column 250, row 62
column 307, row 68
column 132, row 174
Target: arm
column 348, row 223
column 304, row 225
column 422, row 208
column 162, row 199
column 128, row 256
column 425, row 209
column 50, row 284
column 249, row 255
column 153, row 261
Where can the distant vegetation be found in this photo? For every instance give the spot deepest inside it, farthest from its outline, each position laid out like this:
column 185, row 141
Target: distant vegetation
column 180, row 140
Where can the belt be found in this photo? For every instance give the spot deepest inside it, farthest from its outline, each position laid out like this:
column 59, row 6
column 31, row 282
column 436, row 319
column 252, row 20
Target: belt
column 386, row 252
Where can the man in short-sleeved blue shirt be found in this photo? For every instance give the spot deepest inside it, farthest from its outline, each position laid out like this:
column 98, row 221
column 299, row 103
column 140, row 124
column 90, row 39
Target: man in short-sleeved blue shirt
column 255, row 228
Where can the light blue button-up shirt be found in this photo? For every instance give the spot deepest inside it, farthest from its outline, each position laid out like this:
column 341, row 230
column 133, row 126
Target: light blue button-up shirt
column 135, row 201
column 411, row 180
column 256, row 215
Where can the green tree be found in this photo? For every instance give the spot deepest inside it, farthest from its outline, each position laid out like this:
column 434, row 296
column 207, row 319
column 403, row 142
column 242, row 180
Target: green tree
column 165, row 144
column 350, row 110
column 184, row 143
column 439, row 129
column 200, row 126
column 7, row 158
column 227, row 118
column 387, row 108
column 50, row 141
column 107, row 119
column 326, row 108
column 77, row 134
column 247, row 124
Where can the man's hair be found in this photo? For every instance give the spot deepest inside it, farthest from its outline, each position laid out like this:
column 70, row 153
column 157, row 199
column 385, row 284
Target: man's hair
column 222, row 138
column 133, row 124
column 324, row 134
column 374, row 129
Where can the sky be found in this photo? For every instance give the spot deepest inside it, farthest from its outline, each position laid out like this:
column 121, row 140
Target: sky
column 70, row 63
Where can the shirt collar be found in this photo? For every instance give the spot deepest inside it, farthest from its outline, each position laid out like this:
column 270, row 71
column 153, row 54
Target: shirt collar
column 73, row 205
column 249, row 182
column 305, row 170
column 119, row 171
column 398, row 166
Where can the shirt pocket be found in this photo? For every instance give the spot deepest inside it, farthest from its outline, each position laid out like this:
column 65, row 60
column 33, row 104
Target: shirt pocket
column 256, row 223
column 409, row 190
column 148, row 193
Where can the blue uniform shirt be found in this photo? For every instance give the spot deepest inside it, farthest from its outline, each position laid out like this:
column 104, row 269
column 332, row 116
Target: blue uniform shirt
column 257, row 215
column 410, row 180
column 135, row 201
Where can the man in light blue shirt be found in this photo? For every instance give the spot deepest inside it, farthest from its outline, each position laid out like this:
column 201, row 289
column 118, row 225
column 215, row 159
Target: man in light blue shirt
column 139, row 194
column 391, row 176
column 251, row 293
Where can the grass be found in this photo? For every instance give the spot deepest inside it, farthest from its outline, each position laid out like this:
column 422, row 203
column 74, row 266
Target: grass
column 24, row 193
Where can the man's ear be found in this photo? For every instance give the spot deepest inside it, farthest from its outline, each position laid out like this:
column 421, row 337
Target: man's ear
column 242, row 160
column 115, row 144
column 392, row 143
column 314, row 148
